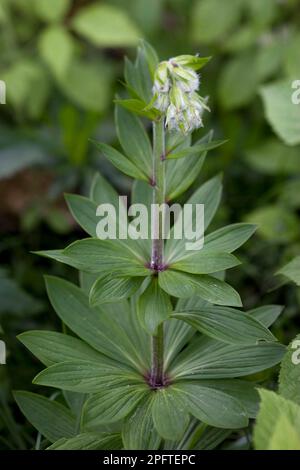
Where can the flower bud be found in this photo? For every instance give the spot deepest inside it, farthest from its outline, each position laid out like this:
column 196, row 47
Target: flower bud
column 174, row 90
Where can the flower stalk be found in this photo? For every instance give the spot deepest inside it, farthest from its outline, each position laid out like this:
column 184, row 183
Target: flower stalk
column 157, row 252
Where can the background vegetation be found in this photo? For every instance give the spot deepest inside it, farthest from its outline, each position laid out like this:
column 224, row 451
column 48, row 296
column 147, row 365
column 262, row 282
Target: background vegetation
column 62, row 70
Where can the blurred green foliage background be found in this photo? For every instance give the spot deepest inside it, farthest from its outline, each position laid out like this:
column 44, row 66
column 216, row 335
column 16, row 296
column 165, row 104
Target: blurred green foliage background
column 62, row 62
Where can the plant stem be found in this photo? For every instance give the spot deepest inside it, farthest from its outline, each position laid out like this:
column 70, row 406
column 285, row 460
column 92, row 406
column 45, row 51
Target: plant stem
column 158, row 192
column 157, row 254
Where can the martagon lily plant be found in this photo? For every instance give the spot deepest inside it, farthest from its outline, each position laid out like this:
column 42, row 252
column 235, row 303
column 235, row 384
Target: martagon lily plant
column 156, row 350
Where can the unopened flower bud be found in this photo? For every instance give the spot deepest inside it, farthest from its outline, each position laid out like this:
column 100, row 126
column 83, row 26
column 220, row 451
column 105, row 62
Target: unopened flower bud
column 174, row 90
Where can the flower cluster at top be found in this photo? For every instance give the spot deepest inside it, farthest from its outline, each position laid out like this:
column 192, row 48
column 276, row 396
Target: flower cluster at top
column 175, row 94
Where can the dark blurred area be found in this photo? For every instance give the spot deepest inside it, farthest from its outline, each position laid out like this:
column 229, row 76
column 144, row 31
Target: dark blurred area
column 62, row 64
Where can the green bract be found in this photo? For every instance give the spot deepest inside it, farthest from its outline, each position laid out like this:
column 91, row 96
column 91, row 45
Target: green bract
column 155, row 353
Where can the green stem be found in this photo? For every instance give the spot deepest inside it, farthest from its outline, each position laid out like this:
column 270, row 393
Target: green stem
column 157, row 253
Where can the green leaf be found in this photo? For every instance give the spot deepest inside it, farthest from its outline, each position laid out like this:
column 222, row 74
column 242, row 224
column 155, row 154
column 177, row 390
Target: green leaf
column 139, row 107
column 84, row 212
column 208, row 194
column 87, row 377
column 243, row 391
column 139, row 75
column 102, row 191
column 267, row 314
column 209, row 288
column 181, row 173
column 286, row 436
column 106, row 26
column 23, row 76
column 193, row 61
column 210, row 359
column 120, row 161
column 51, row 40
column 169, row 413
column 113, row 403
column 51, row 347
column 211, row 437
column 282, row 114
column 101, row 256
column 275, row 223
column 205, row 146
column 89, row 441
column 53, row 11
column 154, row 307
column 212, row 19
column 138, row 431
column 202, row 262
column 112, row 288
column 150, row 55
column 50, row 418
column 177, row 334
column 97, row 327
column 226, row 324
column 94, row 97
column 275, row 410
column 134, row 140
column 237, row 87
column 229, row 238
column 289, row 377
column 292, row 270
column 212, row 406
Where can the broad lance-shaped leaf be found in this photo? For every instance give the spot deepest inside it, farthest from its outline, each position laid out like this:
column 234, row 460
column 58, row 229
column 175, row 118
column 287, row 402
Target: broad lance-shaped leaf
column 289, row 377
column 242, row 390
column 121, row 162
column 201, row 262
column 184, row 285
column 139, row 75
column 267, row 314
column 51, row 419
column 154, row 306
column 211, row 437
column 201, row 147
column 273, row 407
column 181, row 173
column 139, row 107
column 89, row 441
column 97, row 327
column 134, row 140
column 229, row 238
column 84, row 212
column 226, row 324
column 101, row 256
column 292, row 270
column 169, row 413
column 117, row 28
column 211, row 406
column 206, row 358
column 102, row 192
column 209, row 194
column 112, row 403
column 281, row 112
column 87, row 377
column 138, row 430
column 113, row 288
column 51, row 347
